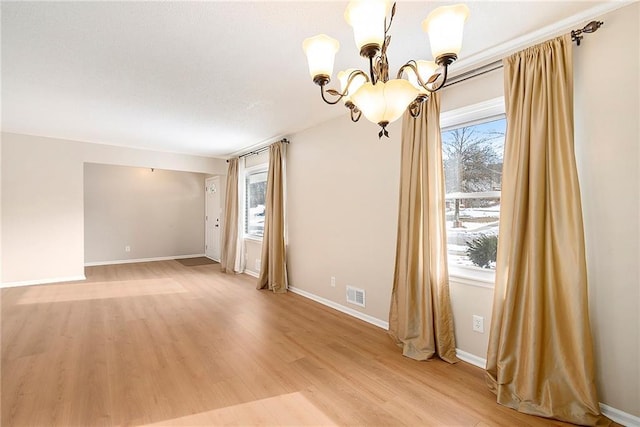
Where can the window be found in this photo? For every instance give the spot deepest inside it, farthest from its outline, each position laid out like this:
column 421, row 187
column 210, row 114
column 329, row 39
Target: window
column 256, row 193
column 472, row 156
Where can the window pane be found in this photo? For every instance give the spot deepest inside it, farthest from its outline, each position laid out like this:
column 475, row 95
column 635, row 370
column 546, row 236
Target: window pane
column 472, row 157
column 256, row 193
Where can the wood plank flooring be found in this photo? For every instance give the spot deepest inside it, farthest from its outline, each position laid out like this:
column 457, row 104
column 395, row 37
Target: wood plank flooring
column 164, row 344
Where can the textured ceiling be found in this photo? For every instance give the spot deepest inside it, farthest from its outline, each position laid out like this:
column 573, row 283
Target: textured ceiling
column 208, row 78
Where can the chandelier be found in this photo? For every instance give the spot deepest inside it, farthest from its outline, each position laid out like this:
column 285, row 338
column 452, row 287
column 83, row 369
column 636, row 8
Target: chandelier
column 380, row 99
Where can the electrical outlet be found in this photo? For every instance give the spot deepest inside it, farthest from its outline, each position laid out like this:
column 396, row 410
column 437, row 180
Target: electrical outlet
column 127, row 248
column 478, row 324
column 333, row 282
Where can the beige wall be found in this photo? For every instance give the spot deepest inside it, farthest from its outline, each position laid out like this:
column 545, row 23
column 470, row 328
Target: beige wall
column 343, row 195
column 42, row 200
column 342, row 184
column 156, row 213
column 607, row 150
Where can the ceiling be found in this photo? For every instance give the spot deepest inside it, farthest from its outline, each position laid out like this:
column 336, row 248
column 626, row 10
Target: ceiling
column 206, row 78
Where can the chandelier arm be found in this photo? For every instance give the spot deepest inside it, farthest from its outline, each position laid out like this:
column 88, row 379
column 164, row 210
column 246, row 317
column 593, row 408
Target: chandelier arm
column 371, row 72
column 444, row 80
column 352, row 76
column 413, row 67
column 326, row 100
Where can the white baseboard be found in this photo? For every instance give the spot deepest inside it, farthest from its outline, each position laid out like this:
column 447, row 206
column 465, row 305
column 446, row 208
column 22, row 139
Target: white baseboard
column 471, row 358
column 351, row 312
column 133, row 261
column 614, row 414
column 251, row 273
column 42, row 281
column 619, row 416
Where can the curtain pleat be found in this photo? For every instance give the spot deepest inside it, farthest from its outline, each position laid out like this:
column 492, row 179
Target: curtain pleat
column 540, row 356
column 273, row 272
column 230, row 231
column 420, row 318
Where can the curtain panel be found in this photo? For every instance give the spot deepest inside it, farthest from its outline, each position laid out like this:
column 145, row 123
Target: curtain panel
column 540, row 356
column 420, row 318
column 273, row 274
column 240, row 247
column 230, row 231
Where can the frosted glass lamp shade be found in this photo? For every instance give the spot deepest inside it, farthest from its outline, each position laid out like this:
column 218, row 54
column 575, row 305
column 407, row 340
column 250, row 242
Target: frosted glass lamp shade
column 367, row 19
column 426, row 69
column 321, row 52
column 445, row 26
column 384, row 103
column 356, row 83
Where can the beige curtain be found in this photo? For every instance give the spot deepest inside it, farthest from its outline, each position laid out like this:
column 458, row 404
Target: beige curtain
column 420, row 319
column 230, row 231
column 273, row 274
column 540, row 358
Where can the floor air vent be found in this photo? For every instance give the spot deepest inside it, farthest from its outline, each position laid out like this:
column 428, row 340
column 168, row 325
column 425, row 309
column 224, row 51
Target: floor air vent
column 355, row 296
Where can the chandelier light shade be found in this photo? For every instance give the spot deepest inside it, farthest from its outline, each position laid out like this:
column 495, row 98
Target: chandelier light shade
column 367, row 17
column 380, row 99
column 385, row 102
column 321, row 52
column 445, row 26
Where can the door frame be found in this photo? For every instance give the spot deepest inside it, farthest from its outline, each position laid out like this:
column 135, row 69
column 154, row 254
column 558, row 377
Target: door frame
column 210, row 214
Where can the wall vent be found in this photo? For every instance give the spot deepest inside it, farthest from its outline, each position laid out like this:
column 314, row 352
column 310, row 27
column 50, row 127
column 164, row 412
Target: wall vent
column 355, row 296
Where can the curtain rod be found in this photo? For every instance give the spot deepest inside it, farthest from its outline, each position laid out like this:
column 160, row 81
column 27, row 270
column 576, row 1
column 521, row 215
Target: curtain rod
column 260, row 150
column 576, row 36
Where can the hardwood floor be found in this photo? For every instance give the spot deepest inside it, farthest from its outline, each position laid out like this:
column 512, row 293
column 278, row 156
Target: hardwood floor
column 164, row 344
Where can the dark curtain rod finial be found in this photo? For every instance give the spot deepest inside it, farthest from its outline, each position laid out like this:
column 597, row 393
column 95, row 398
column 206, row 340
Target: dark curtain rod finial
column 591, row 27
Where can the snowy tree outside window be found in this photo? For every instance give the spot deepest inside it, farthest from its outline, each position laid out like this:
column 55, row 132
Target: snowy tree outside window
column 255, row 191
column 472, row 157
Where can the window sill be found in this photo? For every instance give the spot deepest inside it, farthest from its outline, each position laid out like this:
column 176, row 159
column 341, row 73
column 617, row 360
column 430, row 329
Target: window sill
column 253, row 238
column 472, row 276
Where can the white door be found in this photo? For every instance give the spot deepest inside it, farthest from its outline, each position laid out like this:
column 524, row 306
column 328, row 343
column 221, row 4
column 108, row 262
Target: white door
column 212, row 218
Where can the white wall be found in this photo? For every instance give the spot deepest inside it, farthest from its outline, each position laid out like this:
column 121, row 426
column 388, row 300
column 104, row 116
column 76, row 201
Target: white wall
column 156, row 213
column 42, row 200
column 343, row 196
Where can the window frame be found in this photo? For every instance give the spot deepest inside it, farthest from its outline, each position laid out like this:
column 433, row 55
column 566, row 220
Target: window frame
column 482, row 112
column 252, row 170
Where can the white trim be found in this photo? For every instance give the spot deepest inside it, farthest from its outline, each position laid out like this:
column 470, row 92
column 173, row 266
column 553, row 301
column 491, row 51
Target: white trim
column 43, row 281
column 469, row 280
column 559, row 27
column 255, row 169
column 346, row 310
column 481, row 111
column 614, row 414
column 619, row 416
column 133, row 261
column 251, row 273
column 471, row 359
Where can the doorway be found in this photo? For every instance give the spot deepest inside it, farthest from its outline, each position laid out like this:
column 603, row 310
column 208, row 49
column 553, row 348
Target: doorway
column 212, row 218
